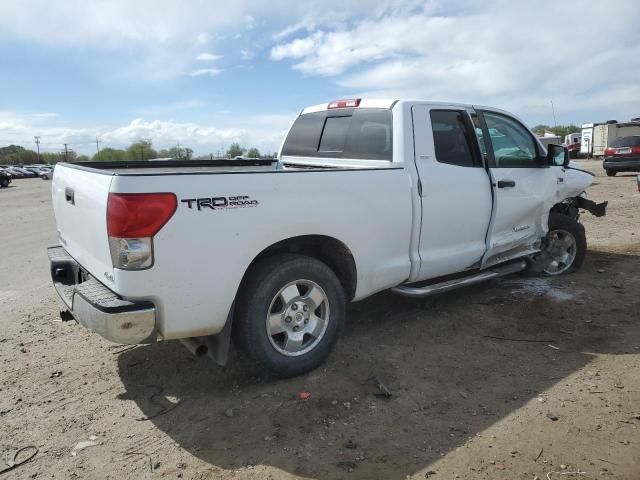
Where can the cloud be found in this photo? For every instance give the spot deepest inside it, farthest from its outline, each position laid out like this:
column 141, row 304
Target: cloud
column 211, row 72
column 203, row 38
column 170, row 107
column 246, row 54
column 300, row 48
column 501, row 53
column 44, row 115
column 262, row 131
column 136, row 41
column 208, row 57
column 305, row 24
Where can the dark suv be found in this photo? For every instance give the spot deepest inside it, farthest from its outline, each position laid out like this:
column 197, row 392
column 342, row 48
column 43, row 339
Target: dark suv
column 5, row 178
column 623, row 155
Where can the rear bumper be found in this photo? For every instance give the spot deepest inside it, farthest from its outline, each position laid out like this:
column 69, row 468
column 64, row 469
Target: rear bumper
column 626, row 165
column 96, row 307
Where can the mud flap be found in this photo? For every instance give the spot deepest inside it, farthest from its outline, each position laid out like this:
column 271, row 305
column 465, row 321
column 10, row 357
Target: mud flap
column 218, row 345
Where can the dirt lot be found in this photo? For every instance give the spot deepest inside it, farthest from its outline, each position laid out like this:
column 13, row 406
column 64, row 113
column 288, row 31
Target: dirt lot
column 464, row 405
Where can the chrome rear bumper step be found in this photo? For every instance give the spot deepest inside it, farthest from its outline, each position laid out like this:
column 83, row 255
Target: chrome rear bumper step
column 416, row 291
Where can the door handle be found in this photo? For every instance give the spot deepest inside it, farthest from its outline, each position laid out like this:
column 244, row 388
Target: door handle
column 506, row 183
column 69, row 195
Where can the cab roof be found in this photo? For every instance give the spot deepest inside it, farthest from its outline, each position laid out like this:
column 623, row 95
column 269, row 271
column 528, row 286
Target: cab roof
column 375, row 103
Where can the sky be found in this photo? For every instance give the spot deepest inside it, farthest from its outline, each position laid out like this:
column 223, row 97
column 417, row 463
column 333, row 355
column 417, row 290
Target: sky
column 204, row 74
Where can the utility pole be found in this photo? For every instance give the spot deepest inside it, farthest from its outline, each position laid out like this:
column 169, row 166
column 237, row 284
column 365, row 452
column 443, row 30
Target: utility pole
column 66, row 153
column 555, row 124
column 97, row 147
column 37, row 140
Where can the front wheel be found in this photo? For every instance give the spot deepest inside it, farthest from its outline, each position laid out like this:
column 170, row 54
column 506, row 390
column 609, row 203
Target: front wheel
column 566, row 244
column 289, row 314
column 611, row 173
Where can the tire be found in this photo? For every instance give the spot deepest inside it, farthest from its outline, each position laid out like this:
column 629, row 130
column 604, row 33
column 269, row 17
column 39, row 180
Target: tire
column 562, row 231
column 281, row 288
column 4, row 183
column 611, row 173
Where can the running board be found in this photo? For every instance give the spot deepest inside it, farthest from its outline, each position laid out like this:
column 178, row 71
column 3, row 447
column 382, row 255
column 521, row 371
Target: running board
column 494, row 272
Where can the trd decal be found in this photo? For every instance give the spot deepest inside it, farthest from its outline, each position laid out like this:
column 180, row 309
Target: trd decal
column 220, row 203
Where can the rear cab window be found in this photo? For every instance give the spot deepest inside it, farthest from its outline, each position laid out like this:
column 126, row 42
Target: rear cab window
column 357, row 133
column 626, row 142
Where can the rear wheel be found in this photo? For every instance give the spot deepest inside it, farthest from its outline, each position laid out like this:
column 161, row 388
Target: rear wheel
column 289, row 314
column 611, row 173
column 4, row 182
column 566, row 244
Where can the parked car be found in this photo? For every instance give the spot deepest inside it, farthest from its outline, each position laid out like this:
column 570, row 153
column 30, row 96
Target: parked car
column 622, row 156
column 15, row 172
column 5, row 178
column 35, row 170
column 46, row 174
column 25, row 172
column 365, row 196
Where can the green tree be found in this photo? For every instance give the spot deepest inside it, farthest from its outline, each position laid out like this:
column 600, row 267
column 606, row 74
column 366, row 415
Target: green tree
column 253, row 153
column 17, row 155
column 51, row 158
column 180, row 153
column 109, row 154
column 82, row 158
column 141, row 150
column 235, row 150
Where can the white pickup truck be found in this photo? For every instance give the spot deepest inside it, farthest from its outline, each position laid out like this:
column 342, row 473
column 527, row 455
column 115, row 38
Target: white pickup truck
column 365, row 195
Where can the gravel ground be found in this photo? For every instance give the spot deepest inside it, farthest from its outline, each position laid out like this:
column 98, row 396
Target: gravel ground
column 465, row 404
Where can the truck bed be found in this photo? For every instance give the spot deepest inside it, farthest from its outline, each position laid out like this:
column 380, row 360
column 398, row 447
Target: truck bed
column 216, row 167
column 176, row 167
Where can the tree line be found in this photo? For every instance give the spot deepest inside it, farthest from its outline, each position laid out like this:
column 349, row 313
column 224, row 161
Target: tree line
column 559, row 130
column 140, row 150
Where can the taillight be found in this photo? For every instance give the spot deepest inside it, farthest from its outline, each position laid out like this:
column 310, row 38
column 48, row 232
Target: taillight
column 348, row 103
column 609, row 151
column 132, row 221
column 636, row 150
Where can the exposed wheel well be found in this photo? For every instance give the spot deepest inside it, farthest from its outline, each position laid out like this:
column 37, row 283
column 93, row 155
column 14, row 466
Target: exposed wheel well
column 328, row 250
column 567, row 208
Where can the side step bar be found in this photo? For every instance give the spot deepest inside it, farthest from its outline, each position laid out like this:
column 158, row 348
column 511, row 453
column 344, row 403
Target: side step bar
column 434, row 288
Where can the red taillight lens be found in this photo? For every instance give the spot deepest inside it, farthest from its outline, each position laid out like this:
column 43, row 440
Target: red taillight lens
column 135, row 215
column 348, row 103
column 609, row 151
column 636, row 150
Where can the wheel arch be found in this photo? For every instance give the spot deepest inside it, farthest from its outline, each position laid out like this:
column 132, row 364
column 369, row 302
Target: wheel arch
column 329, row 250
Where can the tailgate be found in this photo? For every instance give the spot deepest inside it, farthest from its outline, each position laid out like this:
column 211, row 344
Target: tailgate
column 79, row 199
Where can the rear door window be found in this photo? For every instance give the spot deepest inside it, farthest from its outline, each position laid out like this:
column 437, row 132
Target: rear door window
column 452, row 138
column 347, row 133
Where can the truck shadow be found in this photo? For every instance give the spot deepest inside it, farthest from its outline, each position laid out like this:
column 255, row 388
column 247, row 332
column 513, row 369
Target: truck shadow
column 449, row 376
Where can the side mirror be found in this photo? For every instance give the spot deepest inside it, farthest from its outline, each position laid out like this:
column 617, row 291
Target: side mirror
column 557, row 156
